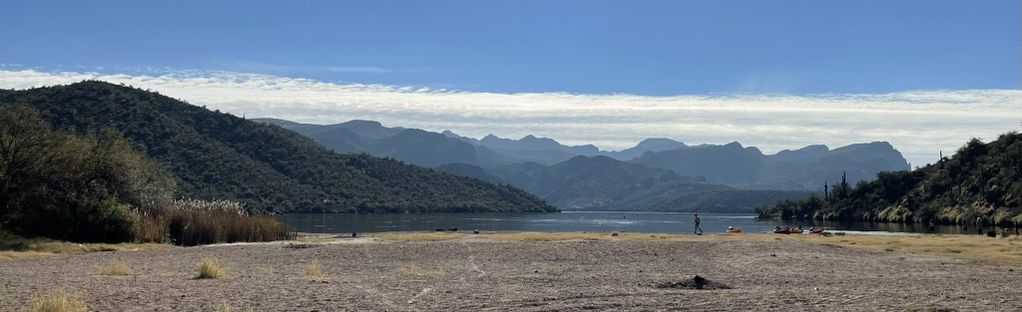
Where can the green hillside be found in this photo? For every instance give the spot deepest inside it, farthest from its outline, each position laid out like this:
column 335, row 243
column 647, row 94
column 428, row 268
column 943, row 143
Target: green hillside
column 980, row 180
column 270, row 169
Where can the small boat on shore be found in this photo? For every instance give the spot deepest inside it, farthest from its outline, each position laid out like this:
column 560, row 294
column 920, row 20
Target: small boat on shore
column 732, row 229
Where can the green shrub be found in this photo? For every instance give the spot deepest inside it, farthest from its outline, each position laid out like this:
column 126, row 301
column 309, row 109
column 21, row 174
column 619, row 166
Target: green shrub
column 80, row 188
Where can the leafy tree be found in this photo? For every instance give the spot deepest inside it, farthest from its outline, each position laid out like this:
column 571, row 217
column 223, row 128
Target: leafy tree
column 59, row 185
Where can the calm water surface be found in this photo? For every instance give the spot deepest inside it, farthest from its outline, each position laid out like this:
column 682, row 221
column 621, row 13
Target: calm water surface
column 570, row 221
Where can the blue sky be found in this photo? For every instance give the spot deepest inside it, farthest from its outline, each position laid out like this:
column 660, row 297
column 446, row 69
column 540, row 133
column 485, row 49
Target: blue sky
column 925, row 76
column 593, row 47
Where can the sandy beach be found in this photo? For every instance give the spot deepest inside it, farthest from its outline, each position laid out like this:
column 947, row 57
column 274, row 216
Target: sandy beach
column 538, row 272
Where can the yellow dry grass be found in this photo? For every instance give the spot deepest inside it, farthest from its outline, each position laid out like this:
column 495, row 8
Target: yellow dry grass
column 550, row 237
column 228, row 308
column 418, row 236
column 211, row 268
column 268, row 271
column 317, row 238
column 45, row 247
column 529, row 236
column 116, row 268
column 415, row 270
column 313, row 272
column 980, row 248
column 57, row 301
column 23, row 254
column 58, row 247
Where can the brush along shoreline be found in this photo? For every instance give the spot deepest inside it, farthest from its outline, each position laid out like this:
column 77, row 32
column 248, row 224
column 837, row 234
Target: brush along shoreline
column 428, row 271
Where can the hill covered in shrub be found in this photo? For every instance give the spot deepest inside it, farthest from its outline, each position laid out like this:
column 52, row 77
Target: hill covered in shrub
column 96, row 188
column 215, row 155
column 981, row 180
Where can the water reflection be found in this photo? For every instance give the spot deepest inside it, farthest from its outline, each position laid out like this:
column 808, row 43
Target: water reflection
column 585, row 221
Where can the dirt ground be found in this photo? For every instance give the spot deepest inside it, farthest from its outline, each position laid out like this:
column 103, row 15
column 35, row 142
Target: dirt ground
column 370, row 274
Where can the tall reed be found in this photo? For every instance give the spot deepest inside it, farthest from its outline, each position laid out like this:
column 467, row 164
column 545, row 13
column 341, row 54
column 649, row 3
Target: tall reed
column 196, row 222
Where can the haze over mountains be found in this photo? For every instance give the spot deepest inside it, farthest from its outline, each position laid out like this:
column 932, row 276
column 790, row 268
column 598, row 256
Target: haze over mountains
column 656, row 174
column 807, row 168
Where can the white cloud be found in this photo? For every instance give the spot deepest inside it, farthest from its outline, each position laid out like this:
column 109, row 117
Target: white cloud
column 919, row 123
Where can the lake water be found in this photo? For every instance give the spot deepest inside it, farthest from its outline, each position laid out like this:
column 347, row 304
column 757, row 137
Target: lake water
column 571, row 221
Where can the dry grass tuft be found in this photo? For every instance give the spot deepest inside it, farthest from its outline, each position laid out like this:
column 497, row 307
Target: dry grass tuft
column 57, row 301
column 313, row 238
column 211, row 268
column 415, row 271
column 313, row 272
column 418, row 236
column 116, row 268
column 4, row 255
column 268, row 271
column 228, row 308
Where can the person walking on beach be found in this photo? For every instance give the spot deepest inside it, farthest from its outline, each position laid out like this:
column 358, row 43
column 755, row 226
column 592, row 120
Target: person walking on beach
column 698, row 230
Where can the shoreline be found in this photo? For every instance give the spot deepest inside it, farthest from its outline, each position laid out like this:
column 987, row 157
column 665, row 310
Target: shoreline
column 591, row 221
column 1004, row 250
column 960, row 246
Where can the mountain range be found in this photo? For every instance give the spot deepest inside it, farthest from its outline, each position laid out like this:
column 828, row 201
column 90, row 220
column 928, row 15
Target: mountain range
column 656, row 174
column 215, row 155
column 338, row 168
column 807, row 168
column 604, row 183
column 731, row 164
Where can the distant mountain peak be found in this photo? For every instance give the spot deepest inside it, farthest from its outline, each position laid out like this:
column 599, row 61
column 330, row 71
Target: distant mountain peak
column 874, row 146
column 808, row 152
column 362, row 122
column 658, row 141
column 815, row 147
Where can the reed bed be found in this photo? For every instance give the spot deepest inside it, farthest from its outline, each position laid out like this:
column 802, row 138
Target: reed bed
column 195, row 222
